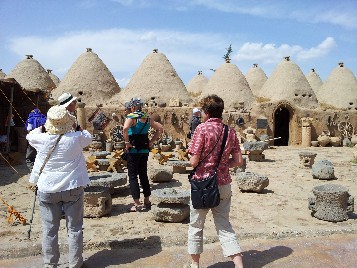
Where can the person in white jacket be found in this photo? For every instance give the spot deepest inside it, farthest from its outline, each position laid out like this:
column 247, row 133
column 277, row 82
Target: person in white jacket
column 60, row 184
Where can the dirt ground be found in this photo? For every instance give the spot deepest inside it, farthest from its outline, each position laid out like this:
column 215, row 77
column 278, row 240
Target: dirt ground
column 280, row 212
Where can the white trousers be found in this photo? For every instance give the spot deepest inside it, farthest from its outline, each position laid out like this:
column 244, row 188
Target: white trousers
column 226, row 234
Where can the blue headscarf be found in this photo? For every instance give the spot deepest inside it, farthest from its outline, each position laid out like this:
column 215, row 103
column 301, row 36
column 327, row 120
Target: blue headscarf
column 36, row 119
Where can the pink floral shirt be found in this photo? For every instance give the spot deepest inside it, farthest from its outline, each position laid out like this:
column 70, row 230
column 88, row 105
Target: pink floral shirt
column 203, row 140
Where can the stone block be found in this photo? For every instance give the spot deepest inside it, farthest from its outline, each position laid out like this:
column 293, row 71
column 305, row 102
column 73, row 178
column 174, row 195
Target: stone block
column 171, row 196
column 179, row 166
column 107, row 179
column 331, row 202
column 170, row 212
column 249, row 181
column 255, row 147
column 101, row 154
column 96, row 145
column 323, row 170
column 103, row 164
column 307, row 159
column 97, row 202
column 161, row 174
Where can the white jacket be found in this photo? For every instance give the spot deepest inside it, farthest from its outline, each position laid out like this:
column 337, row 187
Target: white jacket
column 66, row 167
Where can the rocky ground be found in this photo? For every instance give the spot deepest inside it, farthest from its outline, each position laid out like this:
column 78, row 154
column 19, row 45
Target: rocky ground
column 281, row 211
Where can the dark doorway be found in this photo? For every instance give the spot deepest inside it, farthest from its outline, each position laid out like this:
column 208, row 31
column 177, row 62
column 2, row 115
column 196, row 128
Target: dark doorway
column 281, row 126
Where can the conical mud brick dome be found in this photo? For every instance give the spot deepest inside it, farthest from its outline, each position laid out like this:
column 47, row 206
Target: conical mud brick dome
column 196, row 84
column 54, row 78
column 229, row 83
column 339, row 90
column 314, row 80
column 256, row 79
column 30, row 74
column 89, row 79
column 157, row 80
column 2, row 74
column 288, row 83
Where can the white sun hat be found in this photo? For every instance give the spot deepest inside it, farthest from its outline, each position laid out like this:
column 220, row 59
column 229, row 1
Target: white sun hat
column 195, row 110
column 66, row 99
column 59, row 120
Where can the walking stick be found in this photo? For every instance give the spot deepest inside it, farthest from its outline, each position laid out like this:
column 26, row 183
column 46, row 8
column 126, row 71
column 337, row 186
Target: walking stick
column 33, row 211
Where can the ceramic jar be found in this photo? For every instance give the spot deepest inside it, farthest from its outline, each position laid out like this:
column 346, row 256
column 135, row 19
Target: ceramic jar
column 323, row 139
column 335, row 141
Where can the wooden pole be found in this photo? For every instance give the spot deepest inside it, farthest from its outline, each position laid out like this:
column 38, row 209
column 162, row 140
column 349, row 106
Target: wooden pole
column 9, row 122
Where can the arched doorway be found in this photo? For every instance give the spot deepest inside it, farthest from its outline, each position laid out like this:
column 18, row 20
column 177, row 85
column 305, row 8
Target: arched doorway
column 281, row 126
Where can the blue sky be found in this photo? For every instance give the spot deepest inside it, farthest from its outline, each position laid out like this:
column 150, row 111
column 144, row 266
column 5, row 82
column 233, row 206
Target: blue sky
column 193, row 34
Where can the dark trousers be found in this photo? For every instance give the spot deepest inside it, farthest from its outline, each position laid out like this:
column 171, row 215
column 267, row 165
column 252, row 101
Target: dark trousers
column 30, row 156
column 138, row 166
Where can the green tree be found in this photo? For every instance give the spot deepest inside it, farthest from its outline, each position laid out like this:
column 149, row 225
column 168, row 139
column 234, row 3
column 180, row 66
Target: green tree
column 228, row 54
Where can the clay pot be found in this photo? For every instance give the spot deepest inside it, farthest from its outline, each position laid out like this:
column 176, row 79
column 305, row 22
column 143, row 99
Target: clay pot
column 335, row 141
column 346, row 142
column 323, row 140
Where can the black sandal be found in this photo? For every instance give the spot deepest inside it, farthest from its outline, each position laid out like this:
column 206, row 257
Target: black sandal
column 147, row 205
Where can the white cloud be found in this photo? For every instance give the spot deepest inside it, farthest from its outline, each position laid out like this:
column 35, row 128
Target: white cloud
column 345, row 19
column 123, row 50
column 271, row 53
column 265, row 53
column 316, row 52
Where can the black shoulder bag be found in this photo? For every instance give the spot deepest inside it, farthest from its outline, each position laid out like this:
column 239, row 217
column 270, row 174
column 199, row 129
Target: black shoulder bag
column 204, row 192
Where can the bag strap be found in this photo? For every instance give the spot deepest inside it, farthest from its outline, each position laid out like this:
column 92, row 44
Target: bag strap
column 147, row 119
column 223, row 144
column 225, row 128
column 49, row 154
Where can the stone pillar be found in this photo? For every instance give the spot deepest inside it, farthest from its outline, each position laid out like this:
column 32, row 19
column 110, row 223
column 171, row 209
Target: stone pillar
column 306, row 131
column 306, row 136
column 81, row 115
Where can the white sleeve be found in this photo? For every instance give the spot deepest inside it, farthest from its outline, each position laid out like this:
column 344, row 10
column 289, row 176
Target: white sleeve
column 34, row 138
column 85, row 138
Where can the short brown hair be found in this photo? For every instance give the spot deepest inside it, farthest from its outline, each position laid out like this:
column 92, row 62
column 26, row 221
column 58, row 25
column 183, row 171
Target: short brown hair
column 212, row 105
